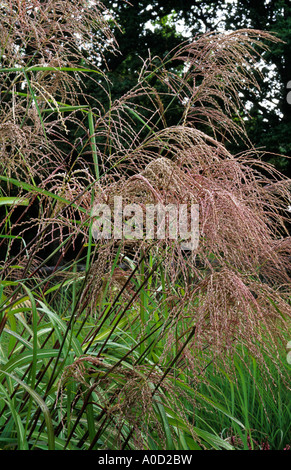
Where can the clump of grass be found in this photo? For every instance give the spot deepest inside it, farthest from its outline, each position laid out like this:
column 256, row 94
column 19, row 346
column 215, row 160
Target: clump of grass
column 109, row 349
column 256, row 404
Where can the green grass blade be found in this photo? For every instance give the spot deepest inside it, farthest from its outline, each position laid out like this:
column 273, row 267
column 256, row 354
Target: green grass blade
column 35, row 189
column 13, row 201
column 41, row 404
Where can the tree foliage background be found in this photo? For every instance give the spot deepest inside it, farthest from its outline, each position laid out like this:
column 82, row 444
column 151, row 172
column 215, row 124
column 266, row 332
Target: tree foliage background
column 158, row 26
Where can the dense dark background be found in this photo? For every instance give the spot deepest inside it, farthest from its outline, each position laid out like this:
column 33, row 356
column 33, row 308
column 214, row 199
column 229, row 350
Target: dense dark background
column 269, row 121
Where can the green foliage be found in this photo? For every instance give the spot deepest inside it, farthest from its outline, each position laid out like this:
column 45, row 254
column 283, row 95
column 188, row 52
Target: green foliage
column 106, row 376
column 257, row 415
column 267, row 122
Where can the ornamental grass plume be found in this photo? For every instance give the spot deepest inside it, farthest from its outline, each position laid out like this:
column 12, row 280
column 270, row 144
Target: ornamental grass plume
column 43, row 66
column 241, row 270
